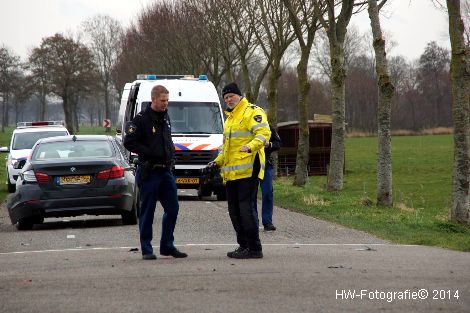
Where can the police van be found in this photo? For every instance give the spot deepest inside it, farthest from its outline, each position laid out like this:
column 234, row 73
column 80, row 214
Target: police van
column 22, row 141
column 196, row 124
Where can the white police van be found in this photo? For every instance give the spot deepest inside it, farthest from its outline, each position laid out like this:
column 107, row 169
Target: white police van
column 22, row 141
column 196, row 123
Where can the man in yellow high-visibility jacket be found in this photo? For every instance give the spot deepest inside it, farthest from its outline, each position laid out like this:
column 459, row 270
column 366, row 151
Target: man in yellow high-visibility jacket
column 241, row 161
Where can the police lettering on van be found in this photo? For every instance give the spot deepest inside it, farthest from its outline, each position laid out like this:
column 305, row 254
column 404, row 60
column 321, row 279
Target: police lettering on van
column 197, row 125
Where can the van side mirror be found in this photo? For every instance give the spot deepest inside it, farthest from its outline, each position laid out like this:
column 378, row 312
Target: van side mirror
column 4, row 149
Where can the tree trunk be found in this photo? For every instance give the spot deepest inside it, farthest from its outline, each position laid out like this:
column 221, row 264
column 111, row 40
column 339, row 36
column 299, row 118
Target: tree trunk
column 75, row 117
column 68, row 114
column 386, row 91
column 272, row 94
column 107, row 105
column 6, row 100
column 460, row 80
column 303, row 147
column 42, row 106
column 335, row 172
column 336, row 31
column 4, row 108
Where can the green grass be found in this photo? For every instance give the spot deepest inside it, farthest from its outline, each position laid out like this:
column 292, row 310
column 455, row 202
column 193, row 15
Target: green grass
column 422, row 176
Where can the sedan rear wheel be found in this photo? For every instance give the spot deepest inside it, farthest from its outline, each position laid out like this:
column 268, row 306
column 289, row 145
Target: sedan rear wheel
column 130, row 217
column 25, row 223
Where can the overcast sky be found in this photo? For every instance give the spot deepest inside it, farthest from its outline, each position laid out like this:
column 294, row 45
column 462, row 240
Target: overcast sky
column 23, row 23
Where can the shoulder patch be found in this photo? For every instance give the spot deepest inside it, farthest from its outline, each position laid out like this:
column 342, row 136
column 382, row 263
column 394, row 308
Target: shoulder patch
column 258, row 118
column 131, row 128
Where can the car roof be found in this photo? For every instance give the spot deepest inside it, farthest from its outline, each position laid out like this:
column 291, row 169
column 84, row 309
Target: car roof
column 34, row 129
column 77, row 138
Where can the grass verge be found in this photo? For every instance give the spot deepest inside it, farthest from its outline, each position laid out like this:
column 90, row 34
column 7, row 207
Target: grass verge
column 422, row 176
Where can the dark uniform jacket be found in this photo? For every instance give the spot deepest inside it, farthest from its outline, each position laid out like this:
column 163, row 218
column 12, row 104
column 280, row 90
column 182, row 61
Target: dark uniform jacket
column 149, row 135
column 274, row 145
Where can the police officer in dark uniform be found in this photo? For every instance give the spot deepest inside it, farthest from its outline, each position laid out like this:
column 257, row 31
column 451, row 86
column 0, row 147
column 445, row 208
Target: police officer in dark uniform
column 149, row 135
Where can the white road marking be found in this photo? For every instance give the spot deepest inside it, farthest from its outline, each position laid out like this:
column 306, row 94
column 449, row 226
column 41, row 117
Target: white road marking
column 70, row 236
column 218, row 244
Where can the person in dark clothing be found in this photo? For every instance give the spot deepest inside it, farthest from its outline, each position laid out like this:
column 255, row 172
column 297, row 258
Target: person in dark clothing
column 149, row 135
column 266, row 184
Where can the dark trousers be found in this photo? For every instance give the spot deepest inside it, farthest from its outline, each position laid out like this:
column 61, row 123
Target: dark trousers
column 267, row 196
column 241, row 194
column 160, row 185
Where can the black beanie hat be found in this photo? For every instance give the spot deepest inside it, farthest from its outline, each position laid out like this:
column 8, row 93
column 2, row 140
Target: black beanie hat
column 231, row 88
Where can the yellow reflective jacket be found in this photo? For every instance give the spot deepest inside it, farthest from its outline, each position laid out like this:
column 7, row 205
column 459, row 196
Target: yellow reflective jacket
column 245, row 125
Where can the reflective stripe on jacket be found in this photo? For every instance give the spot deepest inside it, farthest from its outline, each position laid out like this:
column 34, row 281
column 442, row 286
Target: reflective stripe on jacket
column 246, row 125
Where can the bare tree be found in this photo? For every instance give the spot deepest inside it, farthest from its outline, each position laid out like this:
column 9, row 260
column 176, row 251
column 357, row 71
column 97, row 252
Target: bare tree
column 386, row 90
column 40, row 82
column 9, row 68
column 275, row 35
column 104, row 35
column 241, row 29
column 219, row 55
column 460, row 74
column 434, row 84
column 304, row 17
column 21, row 93
column 71, row 71
column 354, row 47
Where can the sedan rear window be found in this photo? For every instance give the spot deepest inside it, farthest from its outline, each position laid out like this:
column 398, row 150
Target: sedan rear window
column 75, row 149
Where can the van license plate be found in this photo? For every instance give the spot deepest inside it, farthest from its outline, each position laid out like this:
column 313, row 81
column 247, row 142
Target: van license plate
column 187, row 180
column 75, row 179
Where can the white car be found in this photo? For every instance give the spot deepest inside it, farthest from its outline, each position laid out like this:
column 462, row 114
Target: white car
column 22, row 141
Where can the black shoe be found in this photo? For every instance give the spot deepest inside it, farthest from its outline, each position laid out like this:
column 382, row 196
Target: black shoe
column 247, row 254
column 269, row 227
column 176, row 254
column 149, row 257
column 239, row 249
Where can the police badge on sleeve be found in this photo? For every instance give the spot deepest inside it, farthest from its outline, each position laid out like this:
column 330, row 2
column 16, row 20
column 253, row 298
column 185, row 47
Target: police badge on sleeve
column 131, row 128
column 258, row 118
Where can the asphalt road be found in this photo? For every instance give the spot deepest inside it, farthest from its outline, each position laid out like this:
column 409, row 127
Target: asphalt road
column 89, row 264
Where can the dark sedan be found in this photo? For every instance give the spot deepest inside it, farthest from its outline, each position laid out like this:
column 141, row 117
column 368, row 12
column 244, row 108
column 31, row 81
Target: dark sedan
column 71, row 176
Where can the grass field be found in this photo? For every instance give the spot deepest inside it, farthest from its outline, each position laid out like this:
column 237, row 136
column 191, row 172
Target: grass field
column 422, row 176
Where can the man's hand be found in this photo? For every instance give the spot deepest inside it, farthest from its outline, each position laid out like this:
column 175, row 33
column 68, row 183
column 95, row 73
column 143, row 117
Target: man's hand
column 209, row 167
column 245, row 148
column 211, row 164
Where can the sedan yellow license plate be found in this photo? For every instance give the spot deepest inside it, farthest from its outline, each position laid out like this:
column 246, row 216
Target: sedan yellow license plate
column 187, row 180
column 75, row 179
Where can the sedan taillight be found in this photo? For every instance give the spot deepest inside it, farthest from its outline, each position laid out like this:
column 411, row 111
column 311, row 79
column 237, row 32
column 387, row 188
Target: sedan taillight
column 41, row 177
column 114, row 172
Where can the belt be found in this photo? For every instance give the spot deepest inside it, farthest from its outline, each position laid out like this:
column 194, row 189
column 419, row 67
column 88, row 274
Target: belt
column 154, row 166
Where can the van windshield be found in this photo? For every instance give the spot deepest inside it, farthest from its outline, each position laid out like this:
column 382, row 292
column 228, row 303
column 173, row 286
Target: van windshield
column 194, row 117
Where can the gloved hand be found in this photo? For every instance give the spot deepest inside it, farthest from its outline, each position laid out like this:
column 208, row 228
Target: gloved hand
column 210, row 167
column 212, row 164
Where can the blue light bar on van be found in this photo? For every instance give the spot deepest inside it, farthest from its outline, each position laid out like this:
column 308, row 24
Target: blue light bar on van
column 155, row 77
column 202, row 77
